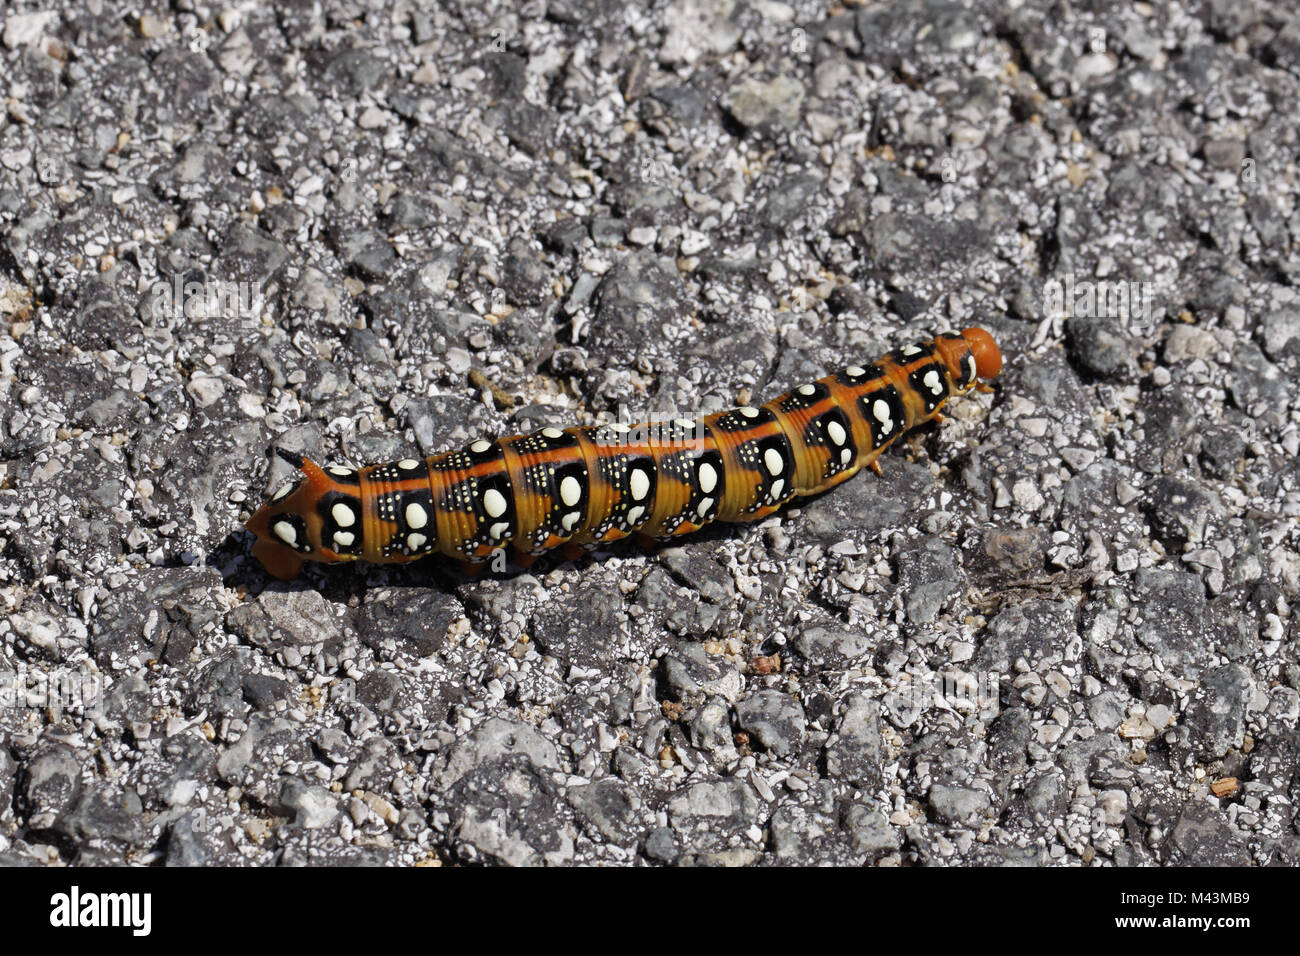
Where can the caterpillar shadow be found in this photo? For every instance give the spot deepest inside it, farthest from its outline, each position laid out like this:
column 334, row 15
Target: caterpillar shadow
column 239, row 569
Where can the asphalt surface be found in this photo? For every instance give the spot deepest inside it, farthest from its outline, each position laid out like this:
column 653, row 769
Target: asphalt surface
column 1058, row 631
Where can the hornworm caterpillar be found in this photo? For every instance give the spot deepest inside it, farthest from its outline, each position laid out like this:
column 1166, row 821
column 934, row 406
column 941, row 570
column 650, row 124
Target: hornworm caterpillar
column 583, row 486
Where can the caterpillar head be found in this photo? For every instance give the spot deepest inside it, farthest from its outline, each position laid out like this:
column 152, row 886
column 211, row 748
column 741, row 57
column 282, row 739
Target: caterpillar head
column 287, row 526
column 971, row 356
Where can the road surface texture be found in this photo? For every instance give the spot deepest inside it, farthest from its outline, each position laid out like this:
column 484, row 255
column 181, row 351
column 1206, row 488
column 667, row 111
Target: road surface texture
column 1059, row 630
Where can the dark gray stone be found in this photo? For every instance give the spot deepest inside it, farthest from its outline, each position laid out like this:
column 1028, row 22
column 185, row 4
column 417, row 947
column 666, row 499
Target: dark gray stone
column 103, row 812
column 1100, row 347
column 255, row 762
column 715, row 804
column 1172, row 605
column 962, row 806
column 493, row 740
column 184, row 846
column 929, row 575
column 1218, row 710
column 52, row 786
column 1180, row 511
column 634, row 300
column 609, row 807
column 581, row 628
column 508, row 812
column 854, row 753
column 1034, row 630
column 837, row 646
column 1221, row 451
column 524, row 277
column 312, row 807
column 1201, row 837
column 414, row 618
column 380, row 690
column 775, row 719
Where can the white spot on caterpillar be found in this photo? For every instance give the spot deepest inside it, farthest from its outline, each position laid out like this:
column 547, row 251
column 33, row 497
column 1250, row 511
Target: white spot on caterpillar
column 286, row 533
column 969, row 362
column 480, row 446
column 836, row 431
column 778, row 486
column 881, row 410
column 911, row 350
column 343, row 514
column 406, row 464
column 683, row 423
column 708, row 478
column 339, row 471
column 416, row 516
column 855, row 371
column 749, row 411
column 570, row 491
column 774, row 462
column 551, row 432
column 639, row 484
column 284, row 491
column 499, row 529
column 806, row 390
column 570, row 520
column 414, row 542
column 494, row 503
column 634, row 515
column 845, row 456
column 931, row 381
column 703, row 507
column 344, row 539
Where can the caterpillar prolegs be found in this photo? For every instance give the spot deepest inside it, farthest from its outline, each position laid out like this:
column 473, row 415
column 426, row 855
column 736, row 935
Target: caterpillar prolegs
column 584, row 486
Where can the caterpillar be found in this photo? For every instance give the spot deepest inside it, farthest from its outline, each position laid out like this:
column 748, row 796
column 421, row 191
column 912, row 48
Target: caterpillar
column 584, row 486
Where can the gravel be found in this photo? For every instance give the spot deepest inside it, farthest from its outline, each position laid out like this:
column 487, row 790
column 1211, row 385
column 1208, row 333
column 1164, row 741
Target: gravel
column 1060, row 629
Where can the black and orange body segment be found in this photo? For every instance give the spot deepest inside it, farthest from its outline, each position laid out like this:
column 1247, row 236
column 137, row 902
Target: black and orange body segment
column 585, row 486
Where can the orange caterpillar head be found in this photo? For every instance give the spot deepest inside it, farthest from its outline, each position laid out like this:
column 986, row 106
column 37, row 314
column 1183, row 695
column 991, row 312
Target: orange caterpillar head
column 289, row 525
column 971, row 356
